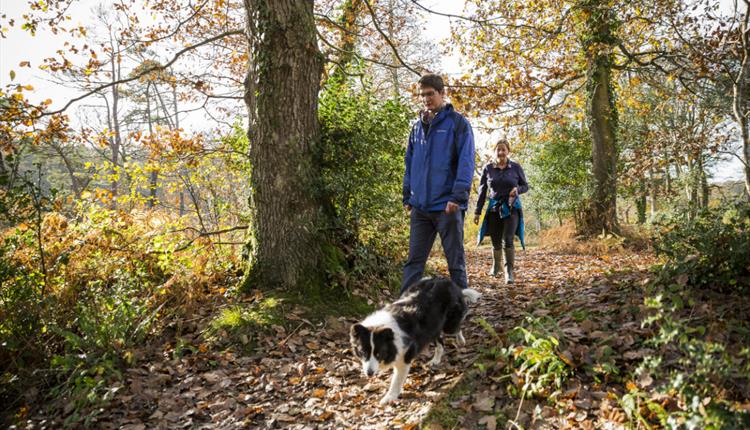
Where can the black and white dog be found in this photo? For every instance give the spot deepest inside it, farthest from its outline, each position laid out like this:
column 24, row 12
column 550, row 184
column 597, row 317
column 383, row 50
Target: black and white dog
column 396, row 334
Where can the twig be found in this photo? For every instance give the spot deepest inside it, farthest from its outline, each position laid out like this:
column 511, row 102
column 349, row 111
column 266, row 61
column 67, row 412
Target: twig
column 388, row 40
column 147, row 70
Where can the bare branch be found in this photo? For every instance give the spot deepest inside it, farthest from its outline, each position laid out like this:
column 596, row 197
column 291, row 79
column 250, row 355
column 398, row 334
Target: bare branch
column 387, row 39
column 147, row 70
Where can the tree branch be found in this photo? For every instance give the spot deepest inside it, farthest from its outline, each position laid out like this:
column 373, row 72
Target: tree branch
column 146, row 71
column 388, row 40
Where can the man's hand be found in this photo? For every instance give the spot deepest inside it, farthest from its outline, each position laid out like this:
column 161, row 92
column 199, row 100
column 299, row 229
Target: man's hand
column 407, row 208
column 476, row 218
column 514, row 192
column 451, row 207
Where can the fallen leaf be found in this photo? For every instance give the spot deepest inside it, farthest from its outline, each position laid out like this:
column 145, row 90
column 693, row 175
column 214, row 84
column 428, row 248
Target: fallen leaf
column 489, row 421
column 485, row 402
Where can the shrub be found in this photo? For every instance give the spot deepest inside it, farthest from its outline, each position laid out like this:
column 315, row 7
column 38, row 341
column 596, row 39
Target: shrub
column 710, row 250
column 363, row 140
column 534, row 359
column 697, row 302
column 110, row 277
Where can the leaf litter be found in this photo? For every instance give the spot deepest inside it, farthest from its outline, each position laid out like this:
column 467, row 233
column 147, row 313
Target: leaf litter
column 308, row 378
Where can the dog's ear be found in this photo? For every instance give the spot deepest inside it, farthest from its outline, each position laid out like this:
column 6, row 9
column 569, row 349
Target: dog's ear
column 358, row 330
column 383, row 335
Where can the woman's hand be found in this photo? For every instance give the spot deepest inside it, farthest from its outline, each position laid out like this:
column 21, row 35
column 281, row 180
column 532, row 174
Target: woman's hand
column 476, row 218
column 514, row 192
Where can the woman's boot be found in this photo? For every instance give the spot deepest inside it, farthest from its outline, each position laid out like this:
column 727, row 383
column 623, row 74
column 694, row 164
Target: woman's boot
column 510, row 258
column 497, row 261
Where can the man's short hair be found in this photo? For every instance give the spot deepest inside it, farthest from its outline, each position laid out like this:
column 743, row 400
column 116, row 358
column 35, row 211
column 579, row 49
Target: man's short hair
column 433, row 81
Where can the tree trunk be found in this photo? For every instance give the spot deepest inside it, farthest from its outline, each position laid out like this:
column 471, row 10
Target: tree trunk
column 703, row 180
column 602, row 119
column 116, row 143
column 281, row 93
column 539, row 225
column 3, row 169
column 640, row 205
column 153, row 181
column 351, row 9
column 652, row 192
column 391, row 28
column 71, row 170
column 740, row 98
column 691, row 191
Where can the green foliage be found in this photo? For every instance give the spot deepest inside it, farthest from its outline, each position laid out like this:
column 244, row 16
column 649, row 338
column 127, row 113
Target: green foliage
column 709, row 250
column 701, row 359
column 534, row 359
column 559, row 167
column 241, row 325
column 111, row 321
column 110, row 278
column 363, row 141
column 700, row 373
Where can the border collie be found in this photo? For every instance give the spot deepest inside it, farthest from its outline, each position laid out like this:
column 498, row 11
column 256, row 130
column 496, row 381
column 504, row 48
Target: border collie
column 396, row 334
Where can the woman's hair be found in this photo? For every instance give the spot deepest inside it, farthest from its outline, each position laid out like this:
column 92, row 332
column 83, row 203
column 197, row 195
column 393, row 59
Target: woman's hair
column 502, row 141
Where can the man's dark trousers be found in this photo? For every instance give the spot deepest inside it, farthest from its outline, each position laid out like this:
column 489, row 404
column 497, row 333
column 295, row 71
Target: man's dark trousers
column 424, row 227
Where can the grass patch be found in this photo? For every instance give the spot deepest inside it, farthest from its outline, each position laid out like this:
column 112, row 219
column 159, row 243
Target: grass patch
column 240, row 326
column 443, row 413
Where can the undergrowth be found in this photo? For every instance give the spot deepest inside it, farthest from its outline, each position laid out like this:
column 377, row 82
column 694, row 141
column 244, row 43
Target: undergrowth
column 700, row 314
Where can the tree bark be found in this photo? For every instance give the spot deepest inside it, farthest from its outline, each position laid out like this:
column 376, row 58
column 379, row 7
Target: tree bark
column 740, row 98
column 351, row 10
column 602, row 118
column 652, row 193
column 153, row 181
column 705, row 190
column 281, row 93
column 69, row 166
column 116, row 142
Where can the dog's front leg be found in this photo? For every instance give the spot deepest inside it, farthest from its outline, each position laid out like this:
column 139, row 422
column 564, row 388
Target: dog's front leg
column 400, row 370
column 438, row 352
column 460, row 338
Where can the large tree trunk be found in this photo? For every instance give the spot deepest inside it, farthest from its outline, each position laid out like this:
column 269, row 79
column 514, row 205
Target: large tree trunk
column 281, row 93
column 602, row 119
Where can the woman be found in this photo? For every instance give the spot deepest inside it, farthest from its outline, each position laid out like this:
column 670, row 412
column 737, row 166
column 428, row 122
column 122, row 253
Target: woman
column 503, row 180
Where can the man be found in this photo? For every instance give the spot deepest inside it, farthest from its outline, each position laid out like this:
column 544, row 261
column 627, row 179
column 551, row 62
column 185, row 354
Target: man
column 439, row 169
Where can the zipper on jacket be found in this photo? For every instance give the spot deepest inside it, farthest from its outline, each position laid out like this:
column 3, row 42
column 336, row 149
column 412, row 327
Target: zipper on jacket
column 429, row 156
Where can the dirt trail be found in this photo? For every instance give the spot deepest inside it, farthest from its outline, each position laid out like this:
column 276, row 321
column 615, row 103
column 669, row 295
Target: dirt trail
column 312, row 381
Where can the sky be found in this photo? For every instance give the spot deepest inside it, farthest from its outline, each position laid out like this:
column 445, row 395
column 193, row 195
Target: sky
column 20, row 46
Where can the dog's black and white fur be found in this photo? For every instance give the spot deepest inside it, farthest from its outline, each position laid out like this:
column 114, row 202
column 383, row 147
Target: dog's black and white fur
column 396, row 334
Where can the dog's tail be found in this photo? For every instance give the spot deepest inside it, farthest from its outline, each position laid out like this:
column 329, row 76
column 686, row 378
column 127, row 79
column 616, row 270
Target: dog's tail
column 471, row 296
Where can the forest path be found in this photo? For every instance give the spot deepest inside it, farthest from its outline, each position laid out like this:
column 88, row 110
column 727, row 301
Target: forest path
column 307, row 378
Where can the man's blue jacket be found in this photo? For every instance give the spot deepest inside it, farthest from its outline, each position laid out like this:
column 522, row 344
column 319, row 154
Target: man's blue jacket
column 439, row 162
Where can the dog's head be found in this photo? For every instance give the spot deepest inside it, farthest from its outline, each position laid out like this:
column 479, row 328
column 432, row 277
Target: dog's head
column 375, row 347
